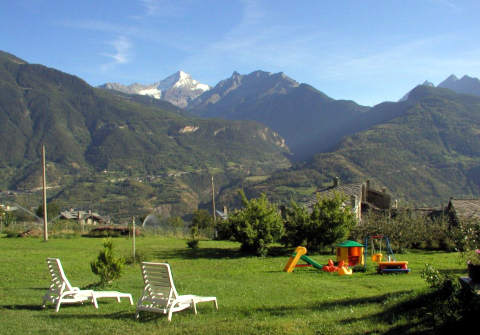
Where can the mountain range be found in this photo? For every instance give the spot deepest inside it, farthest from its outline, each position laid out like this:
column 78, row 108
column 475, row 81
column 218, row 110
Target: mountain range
column 118, row 153
column 131, row 153
column 466, row 85
column 423, row 150
column 308, row 119
column 179, row 89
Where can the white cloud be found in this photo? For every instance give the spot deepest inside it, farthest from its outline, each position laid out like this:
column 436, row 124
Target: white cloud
column 258, row 42
column 447, row 3
column 121, row 46
column 165, row 8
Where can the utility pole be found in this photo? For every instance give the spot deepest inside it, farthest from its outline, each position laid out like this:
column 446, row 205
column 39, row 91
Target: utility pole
column 214, row 214
column 133, row 239
column 45, row 228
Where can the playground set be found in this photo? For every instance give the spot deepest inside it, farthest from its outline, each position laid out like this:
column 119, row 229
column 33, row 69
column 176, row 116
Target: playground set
column 300, row 254
column 391, row 265
column 350, row 254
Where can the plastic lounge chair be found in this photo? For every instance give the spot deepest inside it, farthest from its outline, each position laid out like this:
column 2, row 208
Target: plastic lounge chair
column 62, row 292
column 160, row 295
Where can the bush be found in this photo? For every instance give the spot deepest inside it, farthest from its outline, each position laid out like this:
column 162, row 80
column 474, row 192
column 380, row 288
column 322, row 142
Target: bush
column 176, row 225
column 329, row 222
column 203, row 221
column 139, row 257
column 107, row 266
column 53, row 209
column 111, row 231
column 193, row 244
column 406, row 229
column 451, row 306
column 256, row 225
column 7, row 218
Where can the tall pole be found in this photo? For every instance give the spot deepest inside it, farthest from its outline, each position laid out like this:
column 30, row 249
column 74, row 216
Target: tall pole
column 213, row 207
column 45, row 228
column 133, row 239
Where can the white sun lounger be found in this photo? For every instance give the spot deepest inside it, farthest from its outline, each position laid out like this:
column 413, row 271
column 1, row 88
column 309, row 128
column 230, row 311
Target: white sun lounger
column 160, row 295
column 62, row 292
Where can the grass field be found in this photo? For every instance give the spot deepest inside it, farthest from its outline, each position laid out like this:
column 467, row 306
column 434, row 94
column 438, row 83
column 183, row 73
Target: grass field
column 254, row 295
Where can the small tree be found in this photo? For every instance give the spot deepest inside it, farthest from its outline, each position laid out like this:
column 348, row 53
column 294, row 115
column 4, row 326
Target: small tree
column 256, row 225
column 53, row 209
column 203, row 221
column 296, row 221
column 328, row 222
column 331, row 221
column 176, row 224
column 107, row 266
column 7, row 218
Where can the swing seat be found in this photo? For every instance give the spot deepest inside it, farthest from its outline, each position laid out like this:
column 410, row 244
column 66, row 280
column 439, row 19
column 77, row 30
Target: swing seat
column 377, row 258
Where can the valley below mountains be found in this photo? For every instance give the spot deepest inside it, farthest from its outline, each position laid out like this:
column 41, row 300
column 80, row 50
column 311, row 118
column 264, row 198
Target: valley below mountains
column 137, row 149
column 117, row 154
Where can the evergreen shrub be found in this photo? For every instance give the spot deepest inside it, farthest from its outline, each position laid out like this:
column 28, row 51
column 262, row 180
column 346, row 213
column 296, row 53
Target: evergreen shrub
column 107, row 266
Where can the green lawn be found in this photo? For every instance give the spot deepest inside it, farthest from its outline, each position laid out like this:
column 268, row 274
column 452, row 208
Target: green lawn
column 254, row 295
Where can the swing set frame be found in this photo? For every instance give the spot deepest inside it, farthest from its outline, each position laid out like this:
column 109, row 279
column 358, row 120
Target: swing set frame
column 390, row 266
column 378, row 237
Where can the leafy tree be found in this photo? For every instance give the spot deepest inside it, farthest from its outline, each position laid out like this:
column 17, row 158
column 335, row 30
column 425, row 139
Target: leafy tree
column 329, row 222
column 202, row 223
column 202, row 219
column 6, row 218
column 107, row 266
column 407, row 229
column 256, row 225
column 296, row 221
column 53, row 209
column 176, row 223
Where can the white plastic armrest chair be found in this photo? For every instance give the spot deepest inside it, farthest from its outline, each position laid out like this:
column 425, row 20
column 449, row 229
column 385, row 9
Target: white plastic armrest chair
column 160, row 295
column 62, row 292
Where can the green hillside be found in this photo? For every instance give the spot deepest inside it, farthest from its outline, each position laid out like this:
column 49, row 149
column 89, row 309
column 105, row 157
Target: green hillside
column 424, row 151
column 105, row 149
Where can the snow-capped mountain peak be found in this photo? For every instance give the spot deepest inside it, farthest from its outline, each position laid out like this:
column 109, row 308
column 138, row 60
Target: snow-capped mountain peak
column 179, row 88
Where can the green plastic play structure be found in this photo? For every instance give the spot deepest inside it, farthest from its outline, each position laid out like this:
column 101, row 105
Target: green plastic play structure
column 310, row 261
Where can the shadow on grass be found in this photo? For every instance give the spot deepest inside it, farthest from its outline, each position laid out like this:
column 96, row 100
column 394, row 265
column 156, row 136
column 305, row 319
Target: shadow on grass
column 286, row 310
column 213, row 253
column 37, row 307
column 406, row 311
column 217, row 253
column 125, row 315
column 412, row 309
column 95, row 286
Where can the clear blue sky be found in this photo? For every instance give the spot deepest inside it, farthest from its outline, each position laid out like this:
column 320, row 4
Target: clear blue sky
column 367, row 51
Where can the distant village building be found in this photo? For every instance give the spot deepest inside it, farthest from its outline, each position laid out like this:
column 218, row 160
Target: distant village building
column 222, row 215
column 84, row 217
column 360, row 197
column 7, row 208
column 465, row 210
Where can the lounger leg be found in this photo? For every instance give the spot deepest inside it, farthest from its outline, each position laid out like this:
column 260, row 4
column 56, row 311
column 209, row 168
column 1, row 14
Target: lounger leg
column 57, row 308
column 94, row 301
column 44, row 302
column 131, row 300
column 118, row 298
column 194, row 307
column 170, row 311
column 216, row 304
